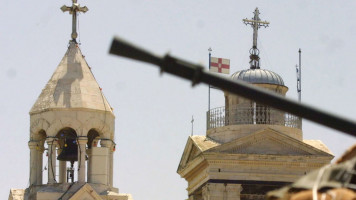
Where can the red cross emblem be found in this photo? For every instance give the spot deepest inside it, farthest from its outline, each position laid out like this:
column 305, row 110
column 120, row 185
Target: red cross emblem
column 220, row 65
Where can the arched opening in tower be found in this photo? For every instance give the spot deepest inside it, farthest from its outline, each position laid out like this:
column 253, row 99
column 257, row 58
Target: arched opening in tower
column 41, row 164
column 100, row 151
column 67, row 151
column 93, row 138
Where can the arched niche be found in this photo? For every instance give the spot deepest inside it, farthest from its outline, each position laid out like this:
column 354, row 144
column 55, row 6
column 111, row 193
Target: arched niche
column 40, row 137
column 38, row 127
column 63, row 124
column 67, row 145
column 93, row 138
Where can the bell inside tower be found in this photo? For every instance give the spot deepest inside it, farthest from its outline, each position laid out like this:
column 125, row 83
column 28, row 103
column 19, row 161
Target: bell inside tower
column 68, row 147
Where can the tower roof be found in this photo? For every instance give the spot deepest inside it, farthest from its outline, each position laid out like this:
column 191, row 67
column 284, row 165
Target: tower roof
column 72, row 85
column 255, row 74
column 258, row 76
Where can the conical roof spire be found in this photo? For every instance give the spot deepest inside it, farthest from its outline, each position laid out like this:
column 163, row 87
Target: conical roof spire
column 72, row 85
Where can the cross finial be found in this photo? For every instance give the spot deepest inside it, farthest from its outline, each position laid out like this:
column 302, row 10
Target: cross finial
column 74, row 11
column 256, row 23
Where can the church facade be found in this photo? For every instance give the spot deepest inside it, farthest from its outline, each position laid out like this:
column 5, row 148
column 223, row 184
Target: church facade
column 249, row 148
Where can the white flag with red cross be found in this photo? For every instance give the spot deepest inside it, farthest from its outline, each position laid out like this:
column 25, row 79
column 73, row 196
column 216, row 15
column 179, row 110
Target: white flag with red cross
column 220, row 65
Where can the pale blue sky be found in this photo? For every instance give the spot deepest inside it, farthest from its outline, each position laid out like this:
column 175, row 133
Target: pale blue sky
column 153, row 112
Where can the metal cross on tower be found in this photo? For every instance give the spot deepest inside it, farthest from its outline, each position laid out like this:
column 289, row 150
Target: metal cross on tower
column 256, row 23
column 74, row 11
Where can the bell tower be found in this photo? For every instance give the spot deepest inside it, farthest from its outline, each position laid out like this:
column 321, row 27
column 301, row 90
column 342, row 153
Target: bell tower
column 249, row 148
column 72, row 132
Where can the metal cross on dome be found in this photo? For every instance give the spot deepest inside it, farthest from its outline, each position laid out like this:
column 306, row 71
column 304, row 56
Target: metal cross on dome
column 256, row 23
column 74, row 11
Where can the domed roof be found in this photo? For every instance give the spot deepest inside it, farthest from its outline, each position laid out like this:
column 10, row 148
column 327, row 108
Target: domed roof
column 258, row 76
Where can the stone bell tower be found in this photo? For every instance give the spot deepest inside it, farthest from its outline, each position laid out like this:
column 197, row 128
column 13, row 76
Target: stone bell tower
column 73, row 124
column 249, row 148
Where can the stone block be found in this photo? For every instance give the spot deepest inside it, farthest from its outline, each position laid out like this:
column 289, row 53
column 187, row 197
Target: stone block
column 98, row 165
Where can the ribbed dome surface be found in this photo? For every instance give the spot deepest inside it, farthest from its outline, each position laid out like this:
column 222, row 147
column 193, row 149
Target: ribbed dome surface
column 258, row 76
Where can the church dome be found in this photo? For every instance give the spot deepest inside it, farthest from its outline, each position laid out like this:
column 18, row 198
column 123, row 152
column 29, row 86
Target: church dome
column 258, row 76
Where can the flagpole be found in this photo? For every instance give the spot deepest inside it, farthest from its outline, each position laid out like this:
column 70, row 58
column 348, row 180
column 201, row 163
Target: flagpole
column 300, row 76
column 209, row 70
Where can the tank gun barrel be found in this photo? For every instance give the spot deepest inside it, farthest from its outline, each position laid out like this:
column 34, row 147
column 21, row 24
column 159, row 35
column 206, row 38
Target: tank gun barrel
column 197, row 74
